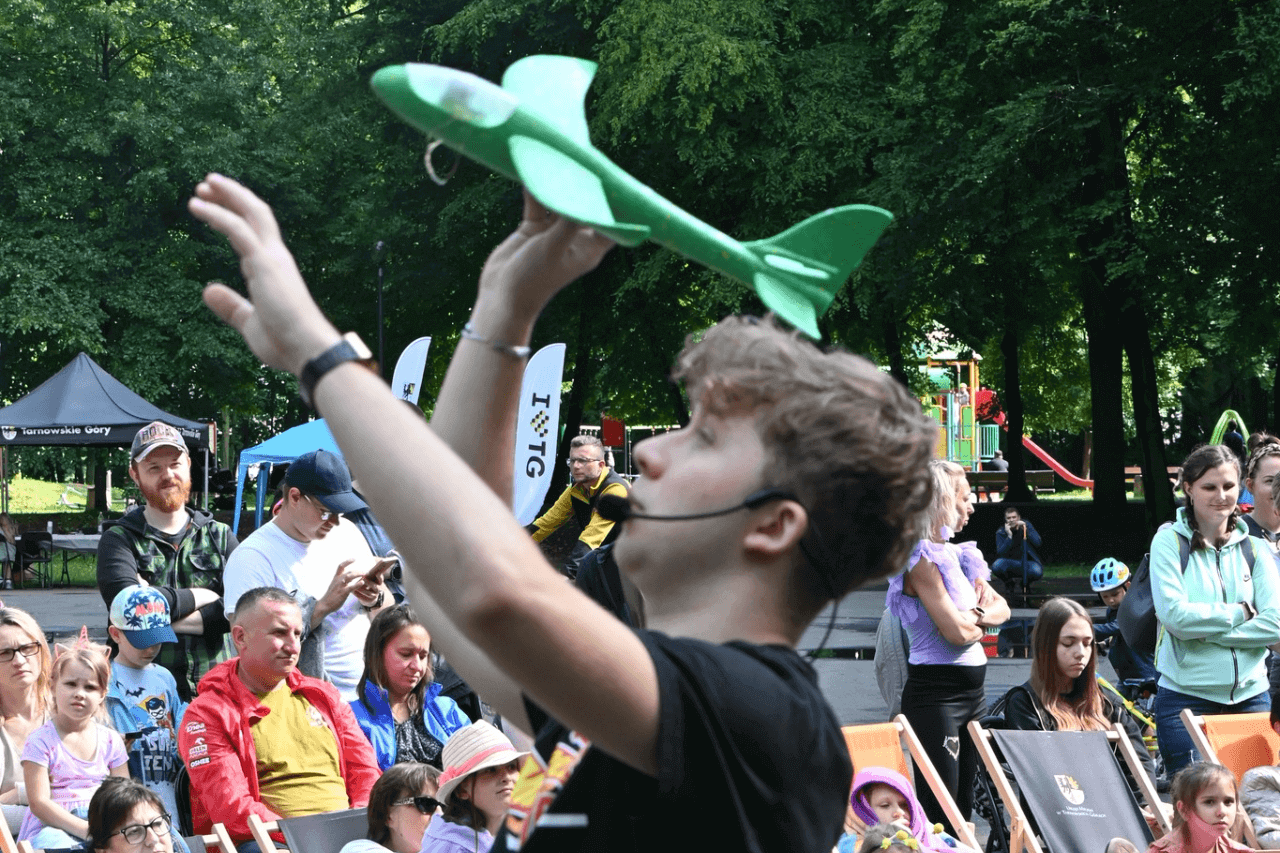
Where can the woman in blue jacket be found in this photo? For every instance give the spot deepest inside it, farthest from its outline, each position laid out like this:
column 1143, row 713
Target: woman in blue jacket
column 1219, row 613
column 400, row 707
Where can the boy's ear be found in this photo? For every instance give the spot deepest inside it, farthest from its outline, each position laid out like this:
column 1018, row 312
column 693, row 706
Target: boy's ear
column 776, row 529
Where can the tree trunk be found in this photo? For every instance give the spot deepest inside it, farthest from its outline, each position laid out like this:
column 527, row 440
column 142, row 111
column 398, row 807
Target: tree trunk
column 1018, row 490
column 893, row 347
column 1158, row 500
column 1101, row 242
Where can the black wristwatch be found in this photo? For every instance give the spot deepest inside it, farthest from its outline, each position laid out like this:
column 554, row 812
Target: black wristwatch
column 350, row 348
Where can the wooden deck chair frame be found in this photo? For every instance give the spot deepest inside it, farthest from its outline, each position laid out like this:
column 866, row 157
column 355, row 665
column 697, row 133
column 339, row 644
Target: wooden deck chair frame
column 1195, row 726
column 1021, row 835
column 262, row 829
column 218, row 840
column 904, row 742
column 7, row 844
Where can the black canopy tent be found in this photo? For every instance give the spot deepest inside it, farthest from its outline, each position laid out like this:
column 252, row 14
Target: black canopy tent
column 83, row 405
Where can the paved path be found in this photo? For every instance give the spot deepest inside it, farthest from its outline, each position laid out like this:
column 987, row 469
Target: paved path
column 849, row 683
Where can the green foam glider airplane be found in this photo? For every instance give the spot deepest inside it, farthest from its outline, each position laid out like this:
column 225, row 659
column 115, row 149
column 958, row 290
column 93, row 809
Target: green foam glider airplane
column 533, row 129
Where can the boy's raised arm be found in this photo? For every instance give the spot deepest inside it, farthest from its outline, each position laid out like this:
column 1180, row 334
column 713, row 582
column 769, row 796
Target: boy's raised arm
column 461, row 543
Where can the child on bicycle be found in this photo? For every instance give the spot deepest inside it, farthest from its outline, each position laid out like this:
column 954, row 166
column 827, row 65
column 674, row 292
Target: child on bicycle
column 1110, row 579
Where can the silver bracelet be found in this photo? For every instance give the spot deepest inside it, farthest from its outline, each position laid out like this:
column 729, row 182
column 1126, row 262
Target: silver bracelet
column 471, row 334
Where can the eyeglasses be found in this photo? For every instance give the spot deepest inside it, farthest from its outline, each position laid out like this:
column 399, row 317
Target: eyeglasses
column 27, row 650
column 424, row 805
column 581, row 460
column 134, row 833
column 325, row 514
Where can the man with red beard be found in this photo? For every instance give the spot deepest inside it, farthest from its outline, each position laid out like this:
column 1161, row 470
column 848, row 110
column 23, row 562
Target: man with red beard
column 176, row 548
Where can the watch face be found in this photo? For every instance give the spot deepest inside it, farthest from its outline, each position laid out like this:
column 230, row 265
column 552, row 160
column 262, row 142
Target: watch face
column 362, row 351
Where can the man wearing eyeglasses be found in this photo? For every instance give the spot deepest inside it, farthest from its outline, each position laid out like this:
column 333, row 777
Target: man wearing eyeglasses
column 591, row 480
column 324, row 562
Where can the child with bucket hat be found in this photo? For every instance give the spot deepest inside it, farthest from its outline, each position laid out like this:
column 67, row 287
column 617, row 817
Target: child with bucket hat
column 480, row 769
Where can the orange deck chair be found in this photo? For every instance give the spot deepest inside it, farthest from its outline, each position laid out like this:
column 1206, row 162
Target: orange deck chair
column 887, row 745
column 1239, row 742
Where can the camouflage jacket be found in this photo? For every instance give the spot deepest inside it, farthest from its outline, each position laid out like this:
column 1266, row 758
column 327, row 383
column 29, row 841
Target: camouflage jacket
column 131, row 550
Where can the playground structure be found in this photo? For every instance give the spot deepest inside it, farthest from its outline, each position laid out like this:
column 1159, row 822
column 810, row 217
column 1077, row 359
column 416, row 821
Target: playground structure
column 956, row 386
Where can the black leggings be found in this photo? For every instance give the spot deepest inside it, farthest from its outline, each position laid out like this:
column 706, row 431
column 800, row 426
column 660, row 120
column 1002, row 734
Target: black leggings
column 939, row 701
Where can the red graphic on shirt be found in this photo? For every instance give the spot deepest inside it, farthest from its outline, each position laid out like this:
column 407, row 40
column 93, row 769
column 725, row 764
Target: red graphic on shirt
column 539, row 784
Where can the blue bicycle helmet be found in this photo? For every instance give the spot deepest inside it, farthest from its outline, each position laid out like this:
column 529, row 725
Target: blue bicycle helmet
column 1108, row 574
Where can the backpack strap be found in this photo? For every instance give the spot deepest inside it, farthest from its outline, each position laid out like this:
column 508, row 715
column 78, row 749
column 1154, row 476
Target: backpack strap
column 1249, row 554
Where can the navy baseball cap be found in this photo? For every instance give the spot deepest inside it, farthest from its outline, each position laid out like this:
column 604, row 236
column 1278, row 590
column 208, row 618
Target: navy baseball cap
column 142, row 614
column 324, row 476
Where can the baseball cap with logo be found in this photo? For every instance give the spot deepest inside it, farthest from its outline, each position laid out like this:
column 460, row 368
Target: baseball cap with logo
column 153, row 435
column 324, row 476
column 142, row 614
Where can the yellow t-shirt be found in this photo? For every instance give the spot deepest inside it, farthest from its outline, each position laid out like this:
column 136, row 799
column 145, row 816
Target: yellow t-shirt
column 298, row 770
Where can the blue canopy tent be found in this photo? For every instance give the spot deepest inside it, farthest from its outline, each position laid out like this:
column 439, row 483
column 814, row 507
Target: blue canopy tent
column 283, row 448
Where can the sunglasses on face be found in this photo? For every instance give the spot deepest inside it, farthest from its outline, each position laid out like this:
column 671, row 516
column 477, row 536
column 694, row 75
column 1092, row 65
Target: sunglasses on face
column 424, row 805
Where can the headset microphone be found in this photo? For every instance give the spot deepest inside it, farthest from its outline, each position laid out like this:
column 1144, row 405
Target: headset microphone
column 617, row 508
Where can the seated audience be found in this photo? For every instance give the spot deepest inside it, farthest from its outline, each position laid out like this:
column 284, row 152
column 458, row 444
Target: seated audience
column 1016, row 544
column 480, row 769
column 66, row 759
column 1260, row 796
column 401, row 709
column 401, row 805
column 1062, row 694
column 1205, row 814
column 125, row 816
column 24, row 692
column 882, row 796
column 262, row 738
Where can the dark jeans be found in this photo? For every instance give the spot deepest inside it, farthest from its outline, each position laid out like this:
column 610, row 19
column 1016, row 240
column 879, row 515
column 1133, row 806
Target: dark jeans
column 1010, row 571
column 1175, row 742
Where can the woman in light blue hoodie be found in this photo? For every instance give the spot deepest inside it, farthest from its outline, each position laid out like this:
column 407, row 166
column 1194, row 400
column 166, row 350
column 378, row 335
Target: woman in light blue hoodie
column 1217, row 596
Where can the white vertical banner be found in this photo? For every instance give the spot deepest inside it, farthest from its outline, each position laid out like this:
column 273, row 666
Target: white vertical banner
column 537, row 431
column 406, row 382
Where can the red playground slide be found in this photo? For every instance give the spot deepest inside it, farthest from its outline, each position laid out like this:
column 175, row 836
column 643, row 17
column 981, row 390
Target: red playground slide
column 1041, row 454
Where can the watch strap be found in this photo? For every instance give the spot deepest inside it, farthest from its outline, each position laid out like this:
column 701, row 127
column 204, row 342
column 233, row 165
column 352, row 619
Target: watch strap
column 350, row 348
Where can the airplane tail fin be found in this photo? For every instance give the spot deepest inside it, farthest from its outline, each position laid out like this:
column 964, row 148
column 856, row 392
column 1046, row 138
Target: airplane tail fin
column 810, row 261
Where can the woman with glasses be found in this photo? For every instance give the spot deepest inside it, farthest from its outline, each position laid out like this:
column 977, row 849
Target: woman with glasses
column 400, row 707
column 24, row 703
column 126, row 816
column 400, row 808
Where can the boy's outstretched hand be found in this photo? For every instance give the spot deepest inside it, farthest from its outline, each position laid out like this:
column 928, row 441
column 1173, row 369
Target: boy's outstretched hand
column 280, row 321
column 539, row 259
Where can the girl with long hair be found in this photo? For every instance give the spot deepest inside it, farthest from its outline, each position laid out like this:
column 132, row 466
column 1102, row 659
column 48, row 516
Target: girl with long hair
column 1062, row 694
column 1216, row 597
column 1206, row 812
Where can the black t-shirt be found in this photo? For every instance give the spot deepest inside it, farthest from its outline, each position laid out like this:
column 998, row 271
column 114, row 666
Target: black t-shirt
column 750, row 758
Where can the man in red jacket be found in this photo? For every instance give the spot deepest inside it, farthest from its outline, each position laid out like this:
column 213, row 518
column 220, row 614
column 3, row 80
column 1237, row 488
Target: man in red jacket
column 261, row 738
